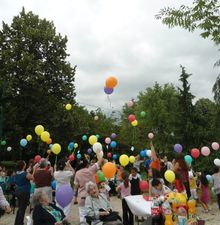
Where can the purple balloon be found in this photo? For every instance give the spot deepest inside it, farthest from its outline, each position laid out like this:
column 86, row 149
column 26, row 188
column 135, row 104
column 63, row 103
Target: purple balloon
column 108, row 91
column 64, row 195
column 113, row 135
column 89, row 150
column 178, row 148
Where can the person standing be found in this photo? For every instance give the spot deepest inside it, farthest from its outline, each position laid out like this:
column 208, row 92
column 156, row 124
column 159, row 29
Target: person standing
column 216, row 183
column 135, row 179
column 22, row 191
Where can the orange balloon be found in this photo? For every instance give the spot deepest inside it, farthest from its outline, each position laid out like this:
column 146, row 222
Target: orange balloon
column 96, row 178
column 49, row 141
column 111, row 82
column 48, row 151
column 109, row 170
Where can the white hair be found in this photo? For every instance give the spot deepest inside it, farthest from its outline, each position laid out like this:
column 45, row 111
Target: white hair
column 89, row 185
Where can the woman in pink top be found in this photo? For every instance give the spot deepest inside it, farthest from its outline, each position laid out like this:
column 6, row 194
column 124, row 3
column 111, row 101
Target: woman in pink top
column 125, row 190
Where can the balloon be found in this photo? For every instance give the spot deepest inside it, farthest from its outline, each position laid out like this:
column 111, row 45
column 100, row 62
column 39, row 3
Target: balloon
column 9, row 149
column 209, row 178
column 150, row 135
column 54, row 184
column 78, row 156
column 98, row 136
column 148, row 153
column 132, row 148
column 178, row 148
column 37, row 159
column 215, row 146
column 113, row 135
column 49, row 141
column 101, row 176
column 89, row 151
column 71, row 145
column 188, row 159
column 76, row 145
column 217, row 162
column 84, row 137
column 92, row 139
column 68, row 107
column 131, row 117
column 97, row 146
column 170, row 176
column 96, row 118
column 56, row 148
column 99, row 153
column 115, row 156
column 205, row 151
column 23, row 142
column 113, row 144
column 50, row 146
column 109, row 170
column 109, row 155
column 143, row 114
column 143, row 153
column 45, row 136
column 29, row 137
column 111, row 82
column 108, row 140
column 71, row 157
column 130, row 103
column 39, row 129
column 195, row 153
column 132, row 159
column 134, row 123
column 3, row 143
column 108, row 91
column 64, row 195
column 48, row 151
column 143, row 185
column 124, row 160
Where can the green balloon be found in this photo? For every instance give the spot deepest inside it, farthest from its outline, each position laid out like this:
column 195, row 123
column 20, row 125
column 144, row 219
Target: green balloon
column 101, row 176
column 84, row 137
column 69, row 149
column 98, row 136
column 143, row 114
column 3, row 143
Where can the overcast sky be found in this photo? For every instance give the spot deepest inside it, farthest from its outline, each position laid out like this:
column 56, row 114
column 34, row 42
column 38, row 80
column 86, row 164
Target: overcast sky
column 122, row 38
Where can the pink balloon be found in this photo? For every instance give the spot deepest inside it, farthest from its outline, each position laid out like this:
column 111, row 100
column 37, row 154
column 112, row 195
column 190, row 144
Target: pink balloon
column 131, row 117
column 215, row 146
column 195, row 153
column 205, row 151
column 150, row 135
column 108, row 140
column 130, row 103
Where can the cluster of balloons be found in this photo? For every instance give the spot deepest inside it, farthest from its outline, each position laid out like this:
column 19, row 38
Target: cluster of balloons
column 110, row 83
column 72, row 145
column 145, row 153
column 124, row 159
column 132, row 120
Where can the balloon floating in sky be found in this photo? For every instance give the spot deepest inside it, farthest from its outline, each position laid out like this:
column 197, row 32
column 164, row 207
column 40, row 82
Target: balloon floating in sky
column 29, row 137
column 9, row 149
column 111, row 82
column 68, row 107
column 56, row 148
column 96, row 118
column 130, row 103
column 150, row 135
column 3, row 143
column 108, row 91
column 39, row 129
column 178, row 148
column 215, row 146
column 23, row 142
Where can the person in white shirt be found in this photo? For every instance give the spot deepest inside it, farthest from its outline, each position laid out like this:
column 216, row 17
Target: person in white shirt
column 4, row 205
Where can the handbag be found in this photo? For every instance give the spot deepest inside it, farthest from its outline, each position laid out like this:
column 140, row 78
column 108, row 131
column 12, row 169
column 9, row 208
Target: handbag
column 113, row 216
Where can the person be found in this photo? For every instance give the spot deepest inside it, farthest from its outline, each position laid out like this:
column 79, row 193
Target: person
column 45, row 213
column 193, row 185
column 97, row 206
column 216, row 183
column 4, row 205
column 155, row 163
column 104, row 189
column 205, row 194
column 43, row 178
column 137, row 163
column 135, row 179
column 84, row 174
column 125, row 189
column 181, row 169
column 63, row 176
column 159, row 188
column 22, row 191
column 154, row 174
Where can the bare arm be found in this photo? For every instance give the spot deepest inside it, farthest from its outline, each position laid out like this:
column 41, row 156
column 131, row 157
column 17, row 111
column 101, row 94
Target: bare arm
column 153, row 152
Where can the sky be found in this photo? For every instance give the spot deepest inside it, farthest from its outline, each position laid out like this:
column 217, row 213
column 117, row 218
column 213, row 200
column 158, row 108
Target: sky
column 123, row 39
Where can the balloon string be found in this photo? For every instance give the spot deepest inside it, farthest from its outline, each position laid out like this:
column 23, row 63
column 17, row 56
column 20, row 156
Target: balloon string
column 109, row 101
column 56, row 160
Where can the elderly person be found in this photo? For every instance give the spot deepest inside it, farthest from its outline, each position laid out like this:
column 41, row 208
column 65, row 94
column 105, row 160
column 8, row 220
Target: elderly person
column 4, row 205
column 45, row 213
column 98, row 207
column 43, row 178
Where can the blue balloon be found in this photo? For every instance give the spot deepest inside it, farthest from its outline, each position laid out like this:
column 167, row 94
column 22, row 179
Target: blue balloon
column 84, row 137
column 78, row 156
column 115, row 156
column 54, row 184
column 113, row 144
column 23, row 142
column 188, row 159
column 89, row 150
column 209, row 178
column 50, row 145
column 143, row 153
column 71, row 145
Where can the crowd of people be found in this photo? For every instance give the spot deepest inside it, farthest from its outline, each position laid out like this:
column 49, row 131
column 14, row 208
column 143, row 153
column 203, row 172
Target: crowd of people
column 32, row 184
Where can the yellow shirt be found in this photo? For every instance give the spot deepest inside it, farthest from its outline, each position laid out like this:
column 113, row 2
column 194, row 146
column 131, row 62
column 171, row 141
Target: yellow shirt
column 192, row 183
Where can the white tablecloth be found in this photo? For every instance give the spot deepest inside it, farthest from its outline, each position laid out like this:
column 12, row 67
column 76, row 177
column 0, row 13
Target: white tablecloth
column 138, row 205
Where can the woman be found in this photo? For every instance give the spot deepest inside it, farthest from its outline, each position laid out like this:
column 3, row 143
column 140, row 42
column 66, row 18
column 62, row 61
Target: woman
column 45, row 213
column 216, row 183
column 98, row 207
column 22, row 190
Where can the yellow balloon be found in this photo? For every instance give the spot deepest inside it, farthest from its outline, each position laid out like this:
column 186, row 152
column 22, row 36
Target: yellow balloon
column 92, row 139
column 29, row 137
column 68, row 107
column 134, row 123
column 39, row 129
column 124, row 160
column 56, row 148
column 45, row 136
column 170, row 176
column 132, row 159
column 76, row 145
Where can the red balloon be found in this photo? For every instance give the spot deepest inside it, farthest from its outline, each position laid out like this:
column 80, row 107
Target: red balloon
column 37, row 158
column 131, row 117
column 143, row 185
column 109, row 155
column 195, row 153
column 71, row 157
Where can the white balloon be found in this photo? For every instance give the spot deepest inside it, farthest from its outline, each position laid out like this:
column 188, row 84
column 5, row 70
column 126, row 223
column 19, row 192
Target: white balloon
column 132, row 148
column 217, row 162
column 97, row 146
column 148, row 153
column 9, row 149
column 96, row 118
column 100, row 153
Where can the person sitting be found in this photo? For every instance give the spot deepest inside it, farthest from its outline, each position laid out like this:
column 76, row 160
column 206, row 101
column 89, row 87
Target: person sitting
column 45, row 213
column 4, row 205
column 159, row 188
column 98, row 207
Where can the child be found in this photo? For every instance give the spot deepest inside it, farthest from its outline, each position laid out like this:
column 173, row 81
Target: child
column 125, row 189
column 158, row 188
column 135, row 179
column 193, row 185
column 205, row 195
column 216, row 183
column 104, row 189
